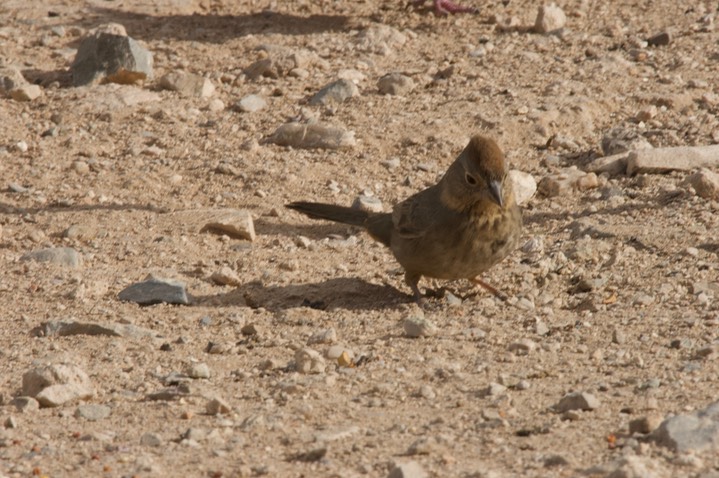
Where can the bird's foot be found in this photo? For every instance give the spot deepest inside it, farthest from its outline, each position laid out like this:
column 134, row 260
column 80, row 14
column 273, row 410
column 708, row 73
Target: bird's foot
column 496, row 292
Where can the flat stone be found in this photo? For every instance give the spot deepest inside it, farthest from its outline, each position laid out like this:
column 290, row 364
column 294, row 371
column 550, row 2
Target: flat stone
column 65, row 256
column 236, row 223
column 335, row 93
column 92, row 412
column 313, row 136
column 187, row 84
column 111, row 57
column 155, row 291
column 665, row 160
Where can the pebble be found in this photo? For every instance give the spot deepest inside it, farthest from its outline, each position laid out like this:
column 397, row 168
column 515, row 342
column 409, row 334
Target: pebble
column 492, row 390
column 336, row 92
column 309, row 361
column 235, row 223
column 218, row 406
column 226, row 276
column 524, row 185
column 705, row 184
column 57, row 384
column 522, row 347
column 250, row 330
column 410, row 469
column 187, row 84
column 395, row 84
column 92, row 412
column 251, row 104
column 109, row 54
column 645, row 425
column 313, row 135
column 660, row 39
column 151, row 439
column 367, row 203
column 155, row 291
column 64, row 256
column 577, row 401
column 550, row 19
column 198, row 370
column 415, row 327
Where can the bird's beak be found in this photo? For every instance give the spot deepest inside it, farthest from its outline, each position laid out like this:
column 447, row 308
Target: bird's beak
column 495, row 189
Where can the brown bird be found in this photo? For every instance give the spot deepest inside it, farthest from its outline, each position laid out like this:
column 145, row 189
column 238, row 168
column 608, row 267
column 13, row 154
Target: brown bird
column 456, row 229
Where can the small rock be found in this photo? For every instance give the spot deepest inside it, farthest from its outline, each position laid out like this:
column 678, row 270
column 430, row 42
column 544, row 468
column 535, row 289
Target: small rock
column 524, row 185
column 550, row 19
column 492, row 390
column 619, row 140
column 522, row 347
column 65, row 329
column 694, row 432
column 226, row 276
column 155, row 291
column 336, row 92
column 314, row 135
column 308, row 360
column 151, row 439
column 65, row 256
column 660, row 39
column 395, row 84
column 55, row 385
column 236, row 223
column 577, row 401
column 613, row 165
column 187, row 84
column 367, row 203
column 198, row 370
column 10, row 422
column 410, row 469
column 415, row 327
column 665, row 160
column 251, row 104
column 559, row 183
column 26, row 93
column 11, row 79
column 218, row 406
column 705, row 183
column 645, row 425
column 92, row 412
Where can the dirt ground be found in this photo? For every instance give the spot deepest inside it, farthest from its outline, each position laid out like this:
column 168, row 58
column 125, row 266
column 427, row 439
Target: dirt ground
column 613, row 291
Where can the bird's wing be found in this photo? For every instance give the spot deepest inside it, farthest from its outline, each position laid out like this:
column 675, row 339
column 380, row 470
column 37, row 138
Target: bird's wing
column 414, row 216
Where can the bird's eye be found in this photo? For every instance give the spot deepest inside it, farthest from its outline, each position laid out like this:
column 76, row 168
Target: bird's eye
column 470, row 179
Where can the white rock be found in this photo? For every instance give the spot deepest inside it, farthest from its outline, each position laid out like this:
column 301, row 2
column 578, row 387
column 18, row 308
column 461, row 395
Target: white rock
column 550, row 19
column 524, row 185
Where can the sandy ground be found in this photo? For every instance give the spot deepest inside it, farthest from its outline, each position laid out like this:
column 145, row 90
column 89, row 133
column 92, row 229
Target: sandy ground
column 613, row 291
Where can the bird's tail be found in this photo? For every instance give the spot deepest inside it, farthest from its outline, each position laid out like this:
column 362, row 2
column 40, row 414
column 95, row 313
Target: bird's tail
column 331, row 212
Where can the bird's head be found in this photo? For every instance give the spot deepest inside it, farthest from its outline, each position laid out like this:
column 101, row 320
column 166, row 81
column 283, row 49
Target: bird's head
column 478, row 175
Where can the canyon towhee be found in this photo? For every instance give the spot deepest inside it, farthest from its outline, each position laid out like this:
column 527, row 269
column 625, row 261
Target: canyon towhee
column 456, row 229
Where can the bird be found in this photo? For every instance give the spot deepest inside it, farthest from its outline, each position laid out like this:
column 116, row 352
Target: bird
column 446, row 7
column 455, row 229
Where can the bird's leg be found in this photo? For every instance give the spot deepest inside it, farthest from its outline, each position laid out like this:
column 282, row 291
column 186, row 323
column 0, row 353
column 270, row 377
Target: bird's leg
column 446, row 7
column 497, row 293
column 412, row 281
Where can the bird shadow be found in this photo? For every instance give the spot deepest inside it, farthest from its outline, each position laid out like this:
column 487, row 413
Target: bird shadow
column 216, row 28
column 338, row 293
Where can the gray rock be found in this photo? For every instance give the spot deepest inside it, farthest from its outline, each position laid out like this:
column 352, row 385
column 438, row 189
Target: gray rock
column 665, row 160
column 395, row 84
column 410, row 469
column 690, row 433
column 151, row 439
column 65, row 256
column 111, row 57
column 415, row 327
column 92, row 412
column 660, row 39
column 577, row 401
column 314, row 135
column 198, row 370
column 236, row 223
column 155, row 291
column 367, row 203
column 251, row 104
column 64, row 329
column 336, row 92
column 187, row 84
column 550, row 19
